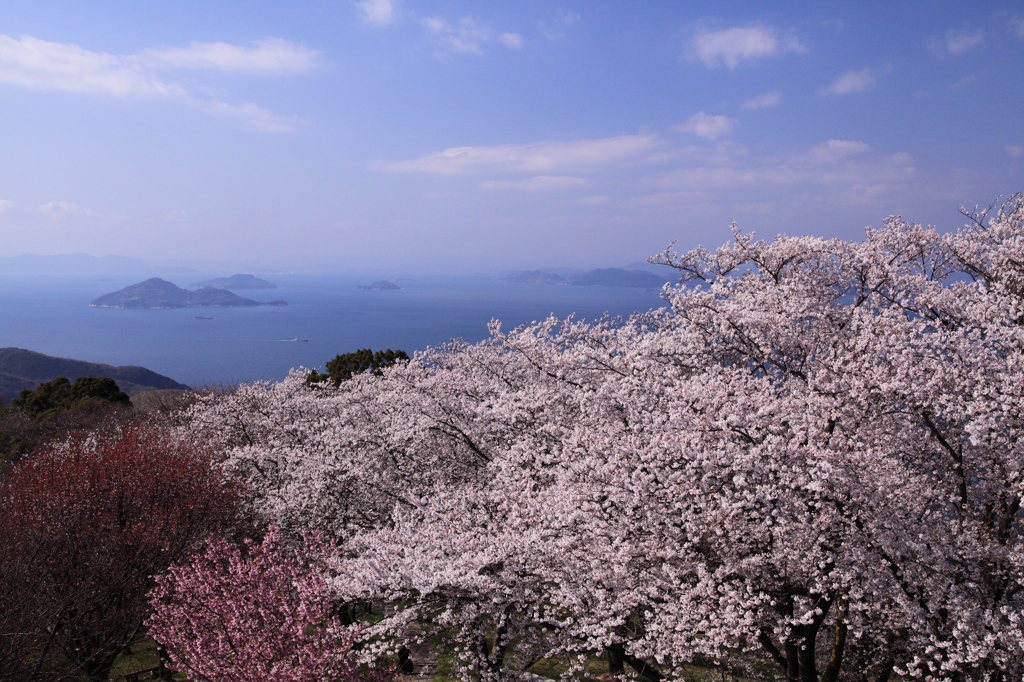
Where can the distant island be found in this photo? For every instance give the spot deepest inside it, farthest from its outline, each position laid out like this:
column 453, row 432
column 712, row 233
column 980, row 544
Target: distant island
column 21, row 369
column 236, row 282
column 608, row 277
column 159, row 293
column 380, row 285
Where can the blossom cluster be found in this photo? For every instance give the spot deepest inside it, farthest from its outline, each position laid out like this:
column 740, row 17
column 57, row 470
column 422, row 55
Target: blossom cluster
column 813, row 455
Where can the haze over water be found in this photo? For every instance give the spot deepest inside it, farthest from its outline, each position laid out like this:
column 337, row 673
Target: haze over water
column 52, row 316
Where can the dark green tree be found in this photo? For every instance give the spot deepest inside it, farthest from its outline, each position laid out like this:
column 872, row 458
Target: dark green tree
column 62, row 394
column 12, row 447
column 343, row 366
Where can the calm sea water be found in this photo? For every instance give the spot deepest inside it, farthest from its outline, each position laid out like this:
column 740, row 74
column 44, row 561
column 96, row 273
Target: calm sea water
column 53, row 316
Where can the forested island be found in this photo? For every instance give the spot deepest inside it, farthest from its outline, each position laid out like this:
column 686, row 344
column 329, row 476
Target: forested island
column 380, row 285
column 236, row 282
column 159, row 293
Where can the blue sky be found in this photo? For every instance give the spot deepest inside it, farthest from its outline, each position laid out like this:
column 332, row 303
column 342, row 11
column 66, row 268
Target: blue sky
column 477, row 136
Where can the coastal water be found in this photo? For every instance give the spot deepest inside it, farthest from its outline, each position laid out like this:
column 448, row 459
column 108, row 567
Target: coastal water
column 325, row 315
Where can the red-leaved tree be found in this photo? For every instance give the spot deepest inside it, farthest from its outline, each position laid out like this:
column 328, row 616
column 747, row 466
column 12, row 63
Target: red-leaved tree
column 263, row 615
column 86, row 524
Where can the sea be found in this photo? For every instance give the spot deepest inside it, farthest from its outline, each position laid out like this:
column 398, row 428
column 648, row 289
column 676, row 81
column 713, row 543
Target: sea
column 326, row 315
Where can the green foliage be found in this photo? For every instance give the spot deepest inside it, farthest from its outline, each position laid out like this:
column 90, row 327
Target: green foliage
column 12, row 447
column 343, row 366
column 62, row 394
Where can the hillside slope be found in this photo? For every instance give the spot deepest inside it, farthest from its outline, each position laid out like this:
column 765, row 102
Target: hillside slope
column 21, row 369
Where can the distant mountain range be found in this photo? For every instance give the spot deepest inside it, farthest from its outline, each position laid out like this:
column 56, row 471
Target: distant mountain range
column 236, row 282
column 608, row 277
column 21, row 369
column 159, row 293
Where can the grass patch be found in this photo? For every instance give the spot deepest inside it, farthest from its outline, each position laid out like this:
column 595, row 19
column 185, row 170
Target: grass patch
column 143, row 655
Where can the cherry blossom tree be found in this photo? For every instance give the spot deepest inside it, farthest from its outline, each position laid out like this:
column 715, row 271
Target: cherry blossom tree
column 226, row 616
column 85, row 524
column 811, row 459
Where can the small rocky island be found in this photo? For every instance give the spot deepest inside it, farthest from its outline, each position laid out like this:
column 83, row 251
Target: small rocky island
column 380, row 285
column 236, row 282
column 159, row 293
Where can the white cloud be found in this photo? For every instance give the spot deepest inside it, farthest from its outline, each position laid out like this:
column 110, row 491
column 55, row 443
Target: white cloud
column 568, row 19
column 833, row 150
column 555, row 29
column 846, row 166
column 709, row 127
column 44, row 65
column 254, row 117
column 60, row 209
column 721, row 153
column 466, row 37
column 768, row 99
column 962, row 42
column 734, row 45
column 536, row 157
column 6, row 205
column 271, row 55
column 1015, row 150
column 377, row 12
column 1017, row 27
column 851, row 81
column 598, row 200
column 539, row 183
column 511, row 40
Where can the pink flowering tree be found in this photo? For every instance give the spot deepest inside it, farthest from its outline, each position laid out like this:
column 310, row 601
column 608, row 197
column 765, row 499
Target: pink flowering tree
column 261, row 614
column 808, row 466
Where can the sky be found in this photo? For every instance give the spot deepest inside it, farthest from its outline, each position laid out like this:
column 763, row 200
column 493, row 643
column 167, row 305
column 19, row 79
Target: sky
column 453, row 136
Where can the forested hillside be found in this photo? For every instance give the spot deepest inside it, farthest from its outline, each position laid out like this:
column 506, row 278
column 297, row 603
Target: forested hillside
column 22, row 369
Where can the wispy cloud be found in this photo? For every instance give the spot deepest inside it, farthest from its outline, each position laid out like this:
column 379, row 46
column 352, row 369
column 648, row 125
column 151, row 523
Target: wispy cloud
column 44, row 65
column 1015, row 150
column 961, row 42
column 512, row 40
column 377, row 12
column 1017, row 27
column 57, row 210
column 6, row 205
column 847, row 166
column 536, row 157
column 254, row 117
column 539, row 183
column 834, row 150
column 768, row 99
column 61, row 209
column 733, row 45
column 270, row 55
column 708, row 127
column 555, row 29
column 849, row 82
column 467, row 36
